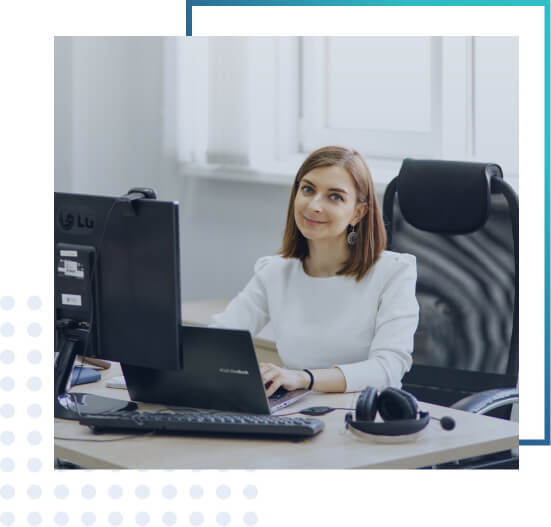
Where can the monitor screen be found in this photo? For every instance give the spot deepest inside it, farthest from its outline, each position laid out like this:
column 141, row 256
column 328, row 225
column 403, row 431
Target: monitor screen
column 117, row 266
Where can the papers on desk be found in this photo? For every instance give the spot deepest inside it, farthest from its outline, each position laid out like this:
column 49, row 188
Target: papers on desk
column 81, row 375
column 116, row 382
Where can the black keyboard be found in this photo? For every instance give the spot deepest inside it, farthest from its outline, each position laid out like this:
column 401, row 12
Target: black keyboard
column 204, row 423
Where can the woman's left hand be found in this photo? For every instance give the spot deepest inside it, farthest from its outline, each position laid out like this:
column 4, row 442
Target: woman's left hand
column 277, row 376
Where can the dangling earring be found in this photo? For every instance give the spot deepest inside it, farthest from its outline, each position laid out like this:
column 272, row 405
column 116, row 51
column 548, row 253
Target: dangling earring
column 352, row 237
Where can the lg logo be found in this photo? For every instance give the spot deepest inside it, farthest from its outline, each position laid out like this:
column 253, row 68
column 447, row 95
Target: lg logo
column 69, row 220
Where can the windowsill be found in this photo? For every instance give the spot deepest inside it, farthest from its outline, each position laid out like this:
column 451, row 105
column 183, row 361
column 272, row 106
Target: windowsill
column 382, row 171
column 281, row 174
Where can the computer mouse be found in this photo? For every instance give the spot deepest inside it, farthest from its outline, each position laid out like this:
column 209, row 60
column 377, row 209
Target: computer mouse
column 317, row 410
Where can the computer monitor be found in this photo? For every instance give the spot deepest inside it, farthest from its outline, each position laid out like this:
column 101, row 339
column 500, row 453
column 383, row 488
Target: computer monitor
column 117, row 288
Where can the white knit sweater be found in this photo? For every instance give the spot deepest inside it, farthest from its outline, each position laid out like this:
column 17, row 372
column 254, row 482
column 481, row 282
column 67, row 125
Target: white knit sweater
column 365, row 328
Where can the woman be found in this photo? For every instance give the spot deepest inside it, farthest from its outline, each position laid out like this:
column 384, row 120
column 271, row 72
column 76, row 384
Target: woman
column 343, row 310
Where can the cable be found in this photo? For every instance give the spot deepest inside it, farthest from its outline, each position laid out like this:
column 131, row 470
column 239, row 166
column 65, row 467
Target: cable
column 300, row 412
column 104, row 440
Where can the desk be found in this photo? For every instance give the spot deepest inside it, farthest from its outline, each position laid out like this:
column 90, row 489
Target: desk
column 331, row 449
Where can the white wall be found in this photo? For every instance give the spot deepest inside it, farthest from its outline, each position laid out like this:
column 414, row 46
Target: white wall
column 63, row 102
column 109, row 130
column 108, row 113
column 225, row 227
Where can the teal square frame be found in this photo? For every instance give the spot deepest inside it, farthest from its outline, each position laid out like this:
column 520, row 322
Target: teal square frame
column 545, row 3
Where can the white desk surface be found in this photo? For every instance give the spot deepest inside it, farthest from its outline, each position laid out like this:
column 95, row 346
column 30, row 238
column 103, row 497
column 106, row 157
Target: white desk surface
column 199, row 313
column 331, row 449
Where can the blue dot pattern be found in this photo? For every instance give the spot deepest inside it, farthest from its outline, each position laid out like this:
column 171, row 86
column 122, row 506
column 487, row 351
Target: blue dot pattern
column 7, row 518
column 7, row 356
column 142, row 518
column 34, row 492
column 87, row 497
column 223, row 492
column 34, row 518
column 61, row 518
column 7, row 492
column 223, row 518
column 7, row 303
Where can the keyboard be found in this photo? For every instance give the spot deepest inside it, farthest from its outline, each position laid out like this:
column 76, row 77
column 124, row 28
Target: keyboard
column 278, row 394
column 204, row 423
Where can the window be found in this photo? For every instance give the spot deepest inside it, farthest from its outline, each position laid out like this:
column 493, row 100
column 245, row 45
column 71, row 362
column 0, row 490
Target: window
column 261, row 104
column 381, row 95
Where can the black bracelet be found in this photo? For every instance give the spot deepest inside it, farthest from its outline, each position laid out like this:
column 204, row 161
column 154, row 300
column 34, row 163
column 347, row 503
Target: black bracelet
column 311, row 375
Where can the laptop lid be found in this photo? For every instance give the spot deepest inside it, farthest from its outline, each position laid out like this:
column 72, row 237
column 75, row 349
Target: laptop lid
column 220, row 372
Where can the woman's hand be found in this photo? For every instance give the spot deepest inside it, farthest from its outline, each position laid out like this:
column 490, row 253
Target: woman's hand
column 277, row 376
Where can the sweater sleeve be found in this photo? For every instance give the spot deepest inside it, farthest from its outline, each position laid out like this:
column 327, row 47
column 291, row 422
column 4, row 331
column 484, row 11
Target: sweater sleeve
column 390, row 354
column 249, row 309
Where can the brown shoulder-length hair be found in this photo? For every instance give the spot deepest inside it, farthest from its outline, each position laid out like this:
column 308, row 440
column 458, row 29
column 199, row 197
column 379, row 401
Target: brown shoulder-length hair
column 371, row 230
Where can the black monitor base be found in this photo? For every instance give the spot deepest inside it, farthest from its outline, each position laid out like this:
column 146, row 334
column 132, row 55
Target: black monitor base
column 73, row 337
column 73, row 405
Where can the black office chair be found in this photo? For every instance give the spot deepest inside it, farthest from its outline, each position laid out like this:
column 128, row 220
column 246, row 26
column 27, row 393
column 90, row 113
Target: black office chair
column 461, row 222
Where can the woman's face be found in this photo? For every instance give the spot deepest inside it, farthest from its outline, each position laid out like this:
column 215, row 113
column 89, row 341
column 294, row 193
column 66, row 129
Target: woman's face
column 326, row 203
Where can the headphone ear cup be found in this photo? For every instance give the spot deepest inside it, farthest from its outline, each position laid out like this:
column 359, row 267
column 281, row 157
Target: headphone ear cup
column 394, row 404
column 366, row 405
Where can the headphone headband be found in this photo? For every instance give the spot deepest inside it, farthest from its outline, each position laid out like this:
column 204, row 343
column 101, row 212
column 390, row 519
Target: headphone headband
column 397, row 408
column 391, row 428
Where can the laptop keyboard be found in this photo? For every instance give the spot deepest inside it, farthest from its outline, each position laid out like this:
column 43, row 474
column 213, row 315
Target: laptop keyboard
column 278, row 394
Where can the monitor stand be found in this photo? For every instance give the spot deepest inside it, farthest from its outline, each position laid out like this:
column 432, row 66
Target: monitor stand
column 68, row 405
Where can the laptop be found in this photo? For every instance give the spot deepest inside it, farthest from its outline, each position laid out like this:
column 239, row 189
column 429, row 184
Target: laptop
column 220, row 372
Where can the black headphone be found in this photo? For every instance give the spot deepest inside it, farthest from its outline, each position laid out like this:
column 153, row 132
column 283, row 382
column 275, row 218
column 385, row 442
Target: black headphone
column 398, row 409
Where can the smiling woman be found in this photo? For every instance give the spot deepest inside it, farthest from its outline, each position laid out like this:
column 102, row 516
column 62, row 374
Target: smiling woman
column 324, row 206
column 334, row 188
column 342, row 308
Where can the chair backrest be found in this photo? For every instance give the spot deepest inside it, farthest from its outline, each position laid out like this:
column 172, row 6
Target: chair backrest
column 460, row 220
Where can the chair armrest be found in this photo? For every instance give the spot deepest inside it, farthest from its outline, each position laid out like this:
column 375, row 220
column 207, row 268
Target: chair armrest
column 483, row 402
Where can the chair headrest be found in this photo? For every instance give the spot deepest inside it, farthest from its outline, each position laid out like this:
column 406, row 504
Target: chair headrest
column 448, row 197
